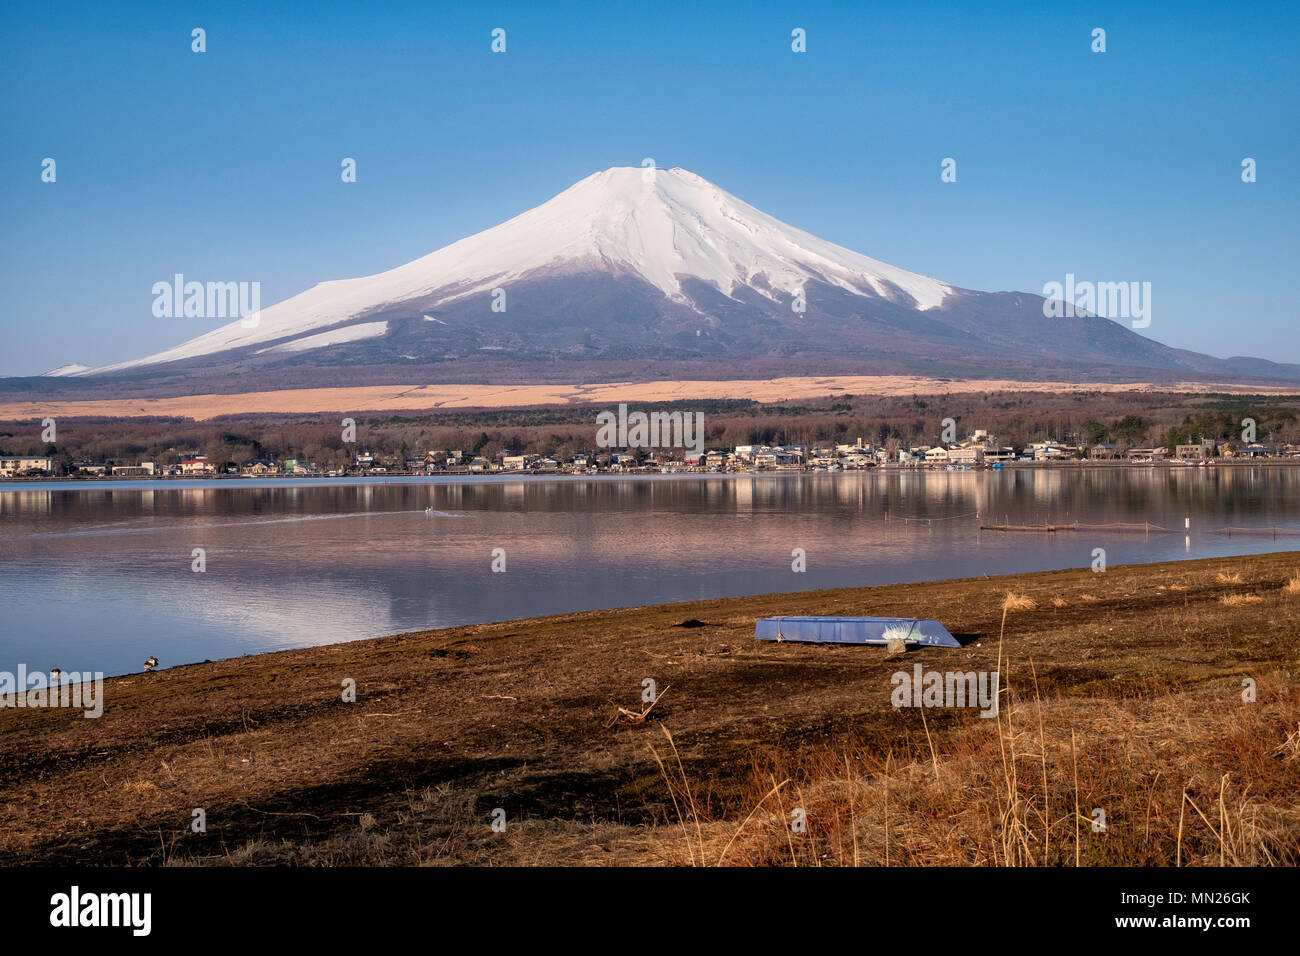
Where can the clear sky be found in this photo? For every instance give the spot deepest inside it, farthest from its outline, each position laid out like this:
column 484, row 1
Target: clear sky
column 1123, row 165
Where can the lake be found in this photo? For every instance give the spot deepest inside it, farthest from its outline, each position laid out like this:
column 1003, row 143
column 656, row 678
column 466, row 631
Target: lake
column 98, row 575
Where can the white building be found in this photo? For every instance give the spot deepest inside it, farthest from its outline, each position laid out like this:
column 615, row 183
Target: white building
column 18, row 465
column 197, row 465
column 1050, row 450
column 967, row 454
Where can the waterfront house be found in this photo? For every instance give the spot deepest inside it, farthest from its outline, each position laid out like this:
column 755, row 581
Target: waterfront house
column 1195, row 452
column 967, row 455
column 25, row 465
column 260, row 466
column 1154, row 454
column 197, row 466
column 1250, row 450
column 1051, row 451
column 145, row 469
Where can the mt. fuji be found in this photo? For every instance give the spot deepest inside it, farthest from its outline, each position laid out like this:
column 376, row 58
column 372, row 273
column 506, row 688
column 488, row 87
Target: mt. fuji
column 642, row 265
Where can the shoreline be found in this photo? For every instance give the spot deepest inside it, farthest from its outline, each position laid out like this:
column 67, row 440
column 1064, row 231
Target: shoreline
column 461, row 477
column 524, row 714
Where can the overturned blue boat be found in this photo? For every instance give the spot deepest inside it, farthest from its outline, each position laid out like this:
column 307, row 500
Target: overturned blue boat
column 854, row 630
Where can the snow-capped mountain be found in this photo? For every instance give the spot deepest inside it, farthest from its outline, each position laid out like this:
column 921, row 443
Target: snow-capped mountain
column 63, row 371
column 647, row 264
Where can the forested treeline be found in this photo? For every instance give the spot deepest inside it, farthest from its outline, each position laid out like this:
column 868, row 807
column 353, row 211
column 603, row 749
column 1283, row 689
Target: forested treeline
column 1014, row 418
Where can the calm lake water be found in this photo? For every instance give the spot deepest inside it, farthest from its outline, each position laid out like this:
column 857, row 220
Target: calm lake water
column 97, row 576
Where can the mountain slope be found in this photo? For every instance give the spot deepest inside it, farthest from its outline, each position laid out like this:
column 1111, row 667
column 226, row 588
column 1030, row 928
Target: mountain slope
column 661, row 265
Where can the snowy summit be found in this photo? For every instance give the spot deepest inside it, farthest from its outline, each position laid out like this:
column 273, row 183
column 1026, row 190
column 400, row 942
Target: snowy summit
column 661, row 225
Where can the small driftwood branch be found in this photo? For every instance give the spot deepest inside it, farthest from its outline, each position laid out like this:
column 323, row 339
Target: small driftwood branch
column 635, row 716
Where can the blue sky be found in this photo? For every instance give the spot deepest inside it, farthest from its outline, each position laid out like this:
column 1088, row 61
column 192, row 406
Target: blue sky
column 225, row 165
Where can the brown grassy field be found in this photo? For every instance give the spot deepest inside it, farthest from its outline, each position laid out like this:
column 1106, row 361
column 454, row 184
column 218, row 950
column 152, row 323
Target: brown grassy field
column 1122, row 693
column 408, row 397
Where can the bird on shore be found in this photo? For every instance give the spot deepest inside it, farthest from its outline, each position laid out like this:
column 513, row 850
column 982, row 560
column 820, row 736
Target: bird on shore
column 151, row 663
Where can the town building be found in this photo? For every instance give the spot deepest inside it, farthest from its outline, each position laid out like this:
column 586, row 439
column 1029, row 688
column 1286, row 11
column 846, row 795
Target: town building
column 967, row 454
column 197, row 465
column 1144, row 454
column 145, row 469
column 25, row 465
column 1190, row 452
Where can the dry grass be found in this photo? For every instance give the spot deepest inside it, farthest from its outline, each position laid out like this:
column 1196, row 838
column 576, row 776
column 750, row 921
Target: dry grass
column 1222, row 578
column 1195, row 778
column 1292, row 586
column 1017, row 602
column 1237, row 600
column 411, row 396
column 1188, row 779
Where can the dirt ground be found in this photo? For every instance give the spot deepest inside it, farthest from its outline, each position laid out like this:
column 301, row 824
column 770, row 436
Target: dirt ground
column 448, row 726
